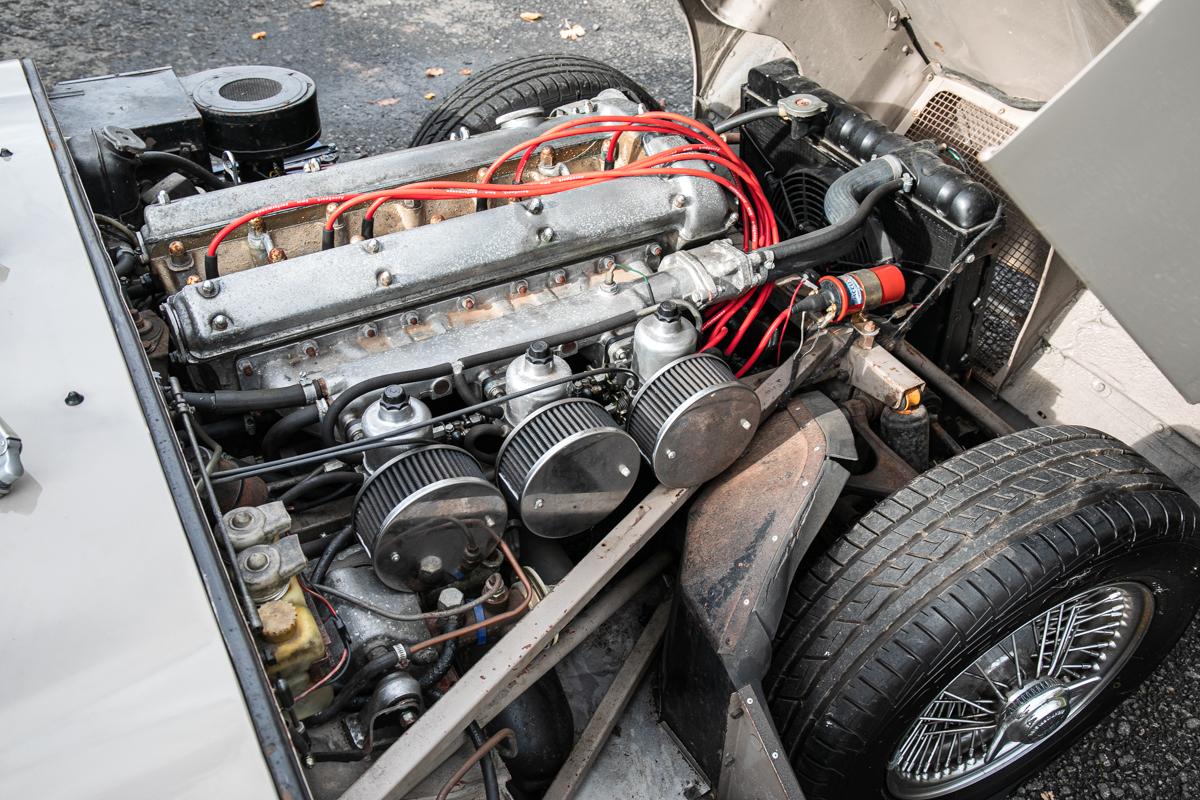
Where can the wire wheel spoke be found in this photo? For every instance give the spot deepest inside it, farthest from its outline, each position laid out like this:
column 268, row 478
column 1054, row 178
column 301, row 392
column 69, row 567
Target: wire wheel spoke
column 1019, row 691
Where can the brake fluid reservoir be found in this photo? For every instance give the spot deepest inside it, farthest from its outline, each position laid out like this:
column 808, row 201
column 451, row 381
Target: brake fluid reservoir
column 661, row 338
column 538, row 366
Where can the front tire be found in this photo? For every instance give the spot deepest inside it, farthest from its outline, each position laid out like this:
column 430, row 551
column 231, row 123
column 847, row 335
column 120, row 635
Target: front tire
column 978, row 562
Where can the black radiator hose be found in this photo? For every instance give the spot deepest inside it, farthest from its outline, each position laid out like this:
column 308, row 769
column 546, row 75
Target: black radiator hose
column 543, row 716
column 235, row 401
column 286, row 427
column 828, row 243
column 125, row 263
column 439, row 668
column 845, row 195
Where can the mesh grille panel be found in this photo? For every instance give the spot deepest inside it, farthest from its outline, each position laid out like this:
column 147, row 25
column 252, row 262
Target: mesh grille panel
column 1021, row 252
column 250, row 90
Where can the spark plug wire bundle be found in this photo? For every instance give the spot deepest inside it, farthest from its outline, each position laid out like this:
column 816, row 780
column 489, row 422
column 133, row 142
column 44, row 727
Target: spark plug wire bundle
column 705, row 146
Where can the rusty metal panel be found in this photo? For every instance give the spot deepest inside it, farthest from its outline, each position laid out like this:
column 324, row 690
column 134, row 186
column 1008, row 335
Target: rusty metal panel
column 746, row 534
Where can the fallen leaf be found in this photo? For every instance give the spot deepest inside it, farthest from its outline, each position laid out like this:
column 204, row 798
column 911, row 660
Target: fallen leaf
column 531, row 16
column 429, row 95
column 258, row 35
column 433, row 72
column 387, row 101
column 465, row 71
column 572, row 32
column 316, row 3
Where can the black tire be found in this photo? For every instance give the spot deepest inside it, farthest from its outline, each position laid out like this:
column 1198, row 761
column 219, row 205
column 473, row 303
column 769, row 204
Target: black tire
column 937, row 573
column 548, row 81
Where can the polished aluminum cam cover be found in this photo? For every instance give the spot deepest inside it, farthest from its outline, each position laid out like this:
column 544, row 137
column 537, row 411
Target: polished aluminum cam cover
column 567, row 466
column 692, row 419
column 425, row 504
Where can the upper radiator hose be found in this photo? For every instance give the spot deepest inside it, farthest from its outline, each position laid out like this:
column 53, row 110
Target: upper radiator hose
column 844, row 194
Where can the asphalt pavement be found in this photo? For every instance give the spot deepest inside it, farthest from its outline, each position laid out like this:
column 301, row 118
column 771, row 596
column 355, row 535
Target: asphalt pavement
column 370, row 57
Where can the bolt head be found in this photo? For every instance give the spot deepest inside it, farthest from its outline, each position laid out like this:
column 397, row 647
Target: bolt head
column 372, row 246
column 383, row 278
column 176, row 248
column 468, row 303
column 246, row 367
column 257, row 561
column 430, row 568
column 546, row 234
column 449, row 598
column 679, row 201
column 276, row 255
column 522, row 288
column 538, row 353
column 241, row 519
column 394, row 397
column 219, row 322
column 209, row 289
column 534, row 205
column 560, row 278
column 436, row 218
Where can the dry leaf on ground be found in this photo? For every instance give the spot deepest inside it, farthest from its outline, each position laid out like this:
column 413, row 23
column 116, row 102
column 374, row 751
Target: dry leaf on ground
column 531, row 16
column 257, row 35
column 316, row 3
column 434, row 72
column 429, row 95
column 387, row 101
column 465, row 71
column 571, row 31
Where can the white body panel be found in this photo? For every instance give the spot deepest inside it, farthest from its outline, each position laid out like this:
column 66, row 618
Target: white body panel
column 116, row 682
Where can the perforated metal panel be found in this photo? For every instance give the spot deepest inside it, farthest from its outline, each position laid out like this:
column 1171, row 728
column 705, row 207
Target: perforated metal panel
column 1021, row 253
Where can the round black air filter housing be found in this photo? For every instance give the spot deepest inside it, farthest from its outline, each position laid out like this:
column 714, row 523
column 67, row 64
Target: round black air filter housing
column 692, row 419
column 416, row 514
column 567, row 466
column 256, row 113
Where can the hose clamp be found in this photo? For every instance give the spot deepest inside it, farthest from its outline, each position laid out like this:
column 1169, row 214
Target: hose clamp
column 402, row 658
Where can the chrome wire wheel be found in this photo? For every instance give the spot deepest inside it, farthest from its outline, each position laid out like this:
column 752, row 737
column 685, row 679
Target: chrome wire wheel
column 1023, row 689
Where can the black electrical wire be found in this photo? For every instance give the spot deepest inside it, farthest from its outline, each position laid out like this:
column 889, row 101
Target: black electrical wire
column 287, row 427
column 176, row 163
column 350, row 394
column 318, row 481
column 388, row 439
column 738, row 120
column 337, row 543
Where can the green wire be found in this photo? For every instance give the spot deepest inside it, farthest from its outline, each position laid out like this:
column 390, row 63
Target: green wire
column 644, row 277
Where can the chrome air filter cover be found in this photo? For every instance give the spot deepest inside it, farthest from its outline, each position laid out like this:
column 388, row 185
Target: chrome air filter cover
column 692, row 419
column 567, row 466
column 427, row 503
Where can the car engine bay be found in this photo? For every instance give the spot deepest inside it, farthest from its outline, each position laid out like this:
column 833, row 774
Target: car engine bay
column 420, row 392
